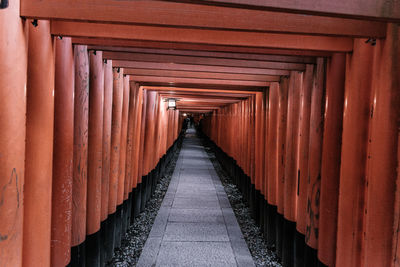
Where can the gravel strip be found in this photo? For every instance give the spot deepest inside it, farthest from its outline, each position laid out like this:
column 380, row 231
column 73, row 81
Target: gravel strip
column 262, row 256
column 135, row 238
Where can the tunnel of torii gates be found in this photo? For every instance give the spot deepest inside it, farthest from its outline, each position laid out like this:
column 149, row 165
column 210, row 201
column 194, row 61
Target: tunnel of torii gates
column 300, row 100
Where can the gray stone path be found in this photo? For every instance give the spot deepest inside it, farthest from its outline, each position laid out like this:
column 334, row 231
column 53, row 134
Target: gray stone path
column 195, row 225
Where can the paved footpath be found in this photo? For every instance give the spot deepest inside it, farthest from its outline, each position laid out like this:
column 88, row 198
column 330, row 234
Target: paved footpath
column 195, row 225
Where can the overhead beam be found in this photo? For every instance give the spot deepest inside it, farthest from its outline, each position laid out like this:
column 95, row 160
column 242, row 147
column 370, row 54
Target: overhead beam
column 211, row 54
column 200, row 90
column 196, row 60
column 219, row 37
column 174, row 80
column 210, row 17
column 202, row 75
column 191, row 94
column 388, row 10
column 197, row 47
column 196, row 68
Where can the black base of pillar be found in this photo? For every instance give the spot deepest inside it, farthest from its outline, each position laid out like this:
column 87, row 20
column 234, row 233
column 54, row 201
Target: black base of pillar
column 143, row 194
column 137, row 200
column 110, row 236
column 299, row 246
column 129, row 209
column 92, row 249
column 103, row 247
column 271, row 226
column 279, row 235
column 124, row 225
column 289, row 230
column 310, row 257
column 262, row 205
column 118, row 226
column 149, row 181
column 78, row 255
column 133, row 205
column 256, row 210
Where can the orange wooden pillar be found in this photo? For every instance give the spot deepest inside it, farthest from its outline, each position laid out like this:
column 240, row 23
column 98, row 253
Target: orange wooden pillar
column 271, row 161
column 331, row 148
column 304, row 132
column 314, row 162
column 95, row 157
column 62, row 153
column 356, row 117
column 396, row 221
column 121, row 206
column 305, row 110
column 39, row 146
column 282, row 117
column 141, row 170
column 114, row 156
column 13, row 69
column 271, row 158
column 105, row 176
column 136, row 179
column 383, row 168
column 151, row 143
column 259, row 155
column 291, row 166
column 132, row 117
column 148, row 144
column 79, row 187
column 291, row 146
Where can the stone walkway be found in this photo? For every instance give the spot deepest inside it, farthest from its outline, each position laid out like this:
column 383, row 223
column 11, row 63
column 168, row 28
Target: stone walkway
column 195, row 225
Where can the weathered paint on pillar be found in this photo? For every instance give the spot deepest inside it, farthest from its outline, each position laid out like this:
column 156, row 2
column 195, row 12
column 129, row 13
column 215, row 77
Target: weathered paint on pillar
column 130, row 139
column 382, row 165
column 137, row 140
column 305, row 109
column 141, row 171
column 95, row 142
column 331, row 149
column 124, row 129
column 292, row 146
column 149, row 140
column 282, row 117
column 356, row 116
column 115, row 138
column 315, row 155
column 107, row 118
column 81, row 116
column 272, row 145
column 12, row 138
column 39, row 146
column 260, row 137
column 395, row 239
column 63, row 153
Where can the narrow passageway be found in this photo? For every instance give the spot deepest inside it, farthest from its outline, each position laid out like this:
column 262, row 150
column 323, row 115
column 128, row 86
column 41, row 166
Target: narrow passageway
column 195, row 224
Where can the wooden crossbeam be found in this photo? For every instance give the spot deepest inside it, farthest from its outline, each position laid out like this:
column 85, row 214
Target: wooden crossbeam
column 197, row 47
column 213, row 17
column 388, row 10
column 195, row 60
column 208, row 54
column 202, row 75
column 219, row 37
column 196, row 68
column 174, row 80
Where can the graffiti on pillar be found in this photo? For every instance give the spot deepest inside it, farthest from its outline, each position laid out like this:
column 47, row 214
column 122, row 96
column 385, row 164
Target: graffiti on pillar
column 10, row 192
column 313, row 210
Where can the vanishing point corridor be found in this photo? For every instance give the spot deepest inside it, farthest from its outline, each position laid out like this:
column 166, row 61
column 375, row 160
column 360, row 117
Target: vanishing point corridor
column 295, row 160
column 195, row 225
